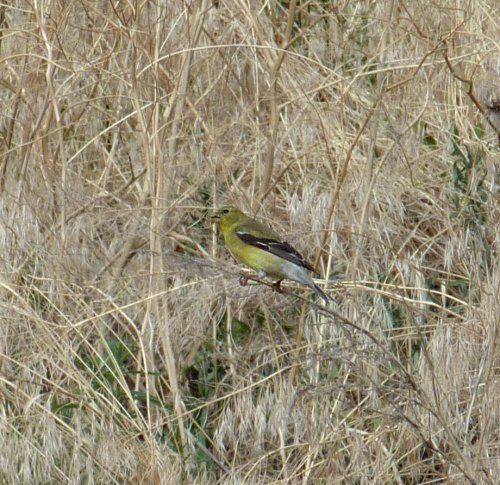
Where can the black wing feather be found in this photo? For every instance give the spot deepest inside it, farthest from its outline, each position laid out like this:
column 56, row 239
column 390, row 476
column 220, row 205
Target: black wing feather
column 278, row 248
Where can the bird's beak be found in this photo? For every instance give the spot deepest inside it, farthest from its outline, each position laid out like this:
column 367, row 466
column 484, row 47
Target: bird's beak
column 215, row 219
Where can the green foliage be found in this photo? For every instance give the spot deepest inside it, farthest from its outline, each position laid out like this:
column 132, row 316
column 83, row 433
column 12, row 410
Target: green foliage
column 64, row 409
column 109, row 368
column 105, row 369
column 468, row 192
column 479, row 131
column 421, row 128
column 470, row 196
column 205, row 378
column 429, row 141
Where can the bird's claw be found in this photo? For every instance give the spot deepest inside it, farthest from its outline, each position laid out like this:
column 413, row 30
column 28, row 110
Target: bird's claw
column 243, row 280
column 277, row 286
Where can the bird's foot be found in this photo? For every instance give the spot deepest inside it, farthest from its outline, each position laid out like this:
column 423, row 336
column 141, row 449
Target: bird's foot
column 277, row 286
column 243, row 279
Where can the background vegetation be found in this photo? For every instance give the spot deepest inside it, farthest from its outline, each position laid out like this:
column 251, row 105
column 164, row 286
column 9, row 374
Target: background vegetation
column 367, row 132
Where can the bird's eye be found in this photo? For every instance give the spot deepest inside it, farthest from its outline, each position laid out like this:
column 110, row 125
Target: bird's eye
column 225, row 211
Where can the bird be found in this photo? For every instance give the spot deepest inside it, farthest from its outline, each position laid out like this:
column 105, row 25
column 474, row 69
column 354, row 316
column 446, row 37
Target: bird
column 259, row 247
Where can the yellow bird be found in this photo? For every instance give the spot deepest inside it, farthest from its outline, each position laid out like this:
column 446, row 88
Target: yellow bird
column 259, row 247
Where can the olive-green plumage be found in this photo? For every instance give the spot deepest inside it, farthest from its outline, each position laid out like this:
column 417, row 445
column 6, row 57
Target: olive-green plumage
column 259, row 247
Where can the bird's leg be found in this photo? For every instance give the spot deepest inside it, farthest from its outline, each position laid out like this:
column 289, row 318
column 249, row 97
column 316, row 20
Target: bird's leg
column 243, row 279
column 277, row 286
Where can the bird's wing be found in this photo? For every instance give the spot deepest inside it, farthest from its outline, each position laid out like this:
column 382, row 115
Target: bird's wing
column 279, row 248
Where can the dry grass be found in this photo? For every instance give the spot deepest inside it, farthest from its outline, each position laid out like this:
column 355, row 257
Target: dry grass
column 366, row 131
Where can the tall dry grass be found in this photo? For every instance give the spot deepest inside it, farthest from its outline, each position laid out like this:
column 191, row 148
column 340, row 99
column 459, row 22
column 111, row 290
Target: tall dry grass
column 367, row 132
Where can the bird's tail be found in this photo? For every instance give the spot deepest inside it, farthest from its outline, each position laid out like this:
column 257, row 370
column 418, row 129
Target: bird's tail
column 301, row 275
column 320, row 292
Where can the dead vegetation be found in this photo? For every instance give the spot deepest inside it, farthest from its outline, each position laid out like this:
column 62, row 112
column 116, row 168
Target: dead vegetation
column 366, row 131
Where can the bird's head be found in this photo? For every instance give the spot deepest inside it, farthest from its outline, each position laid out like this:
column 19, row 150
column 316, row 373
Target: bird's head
column 227, row 216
